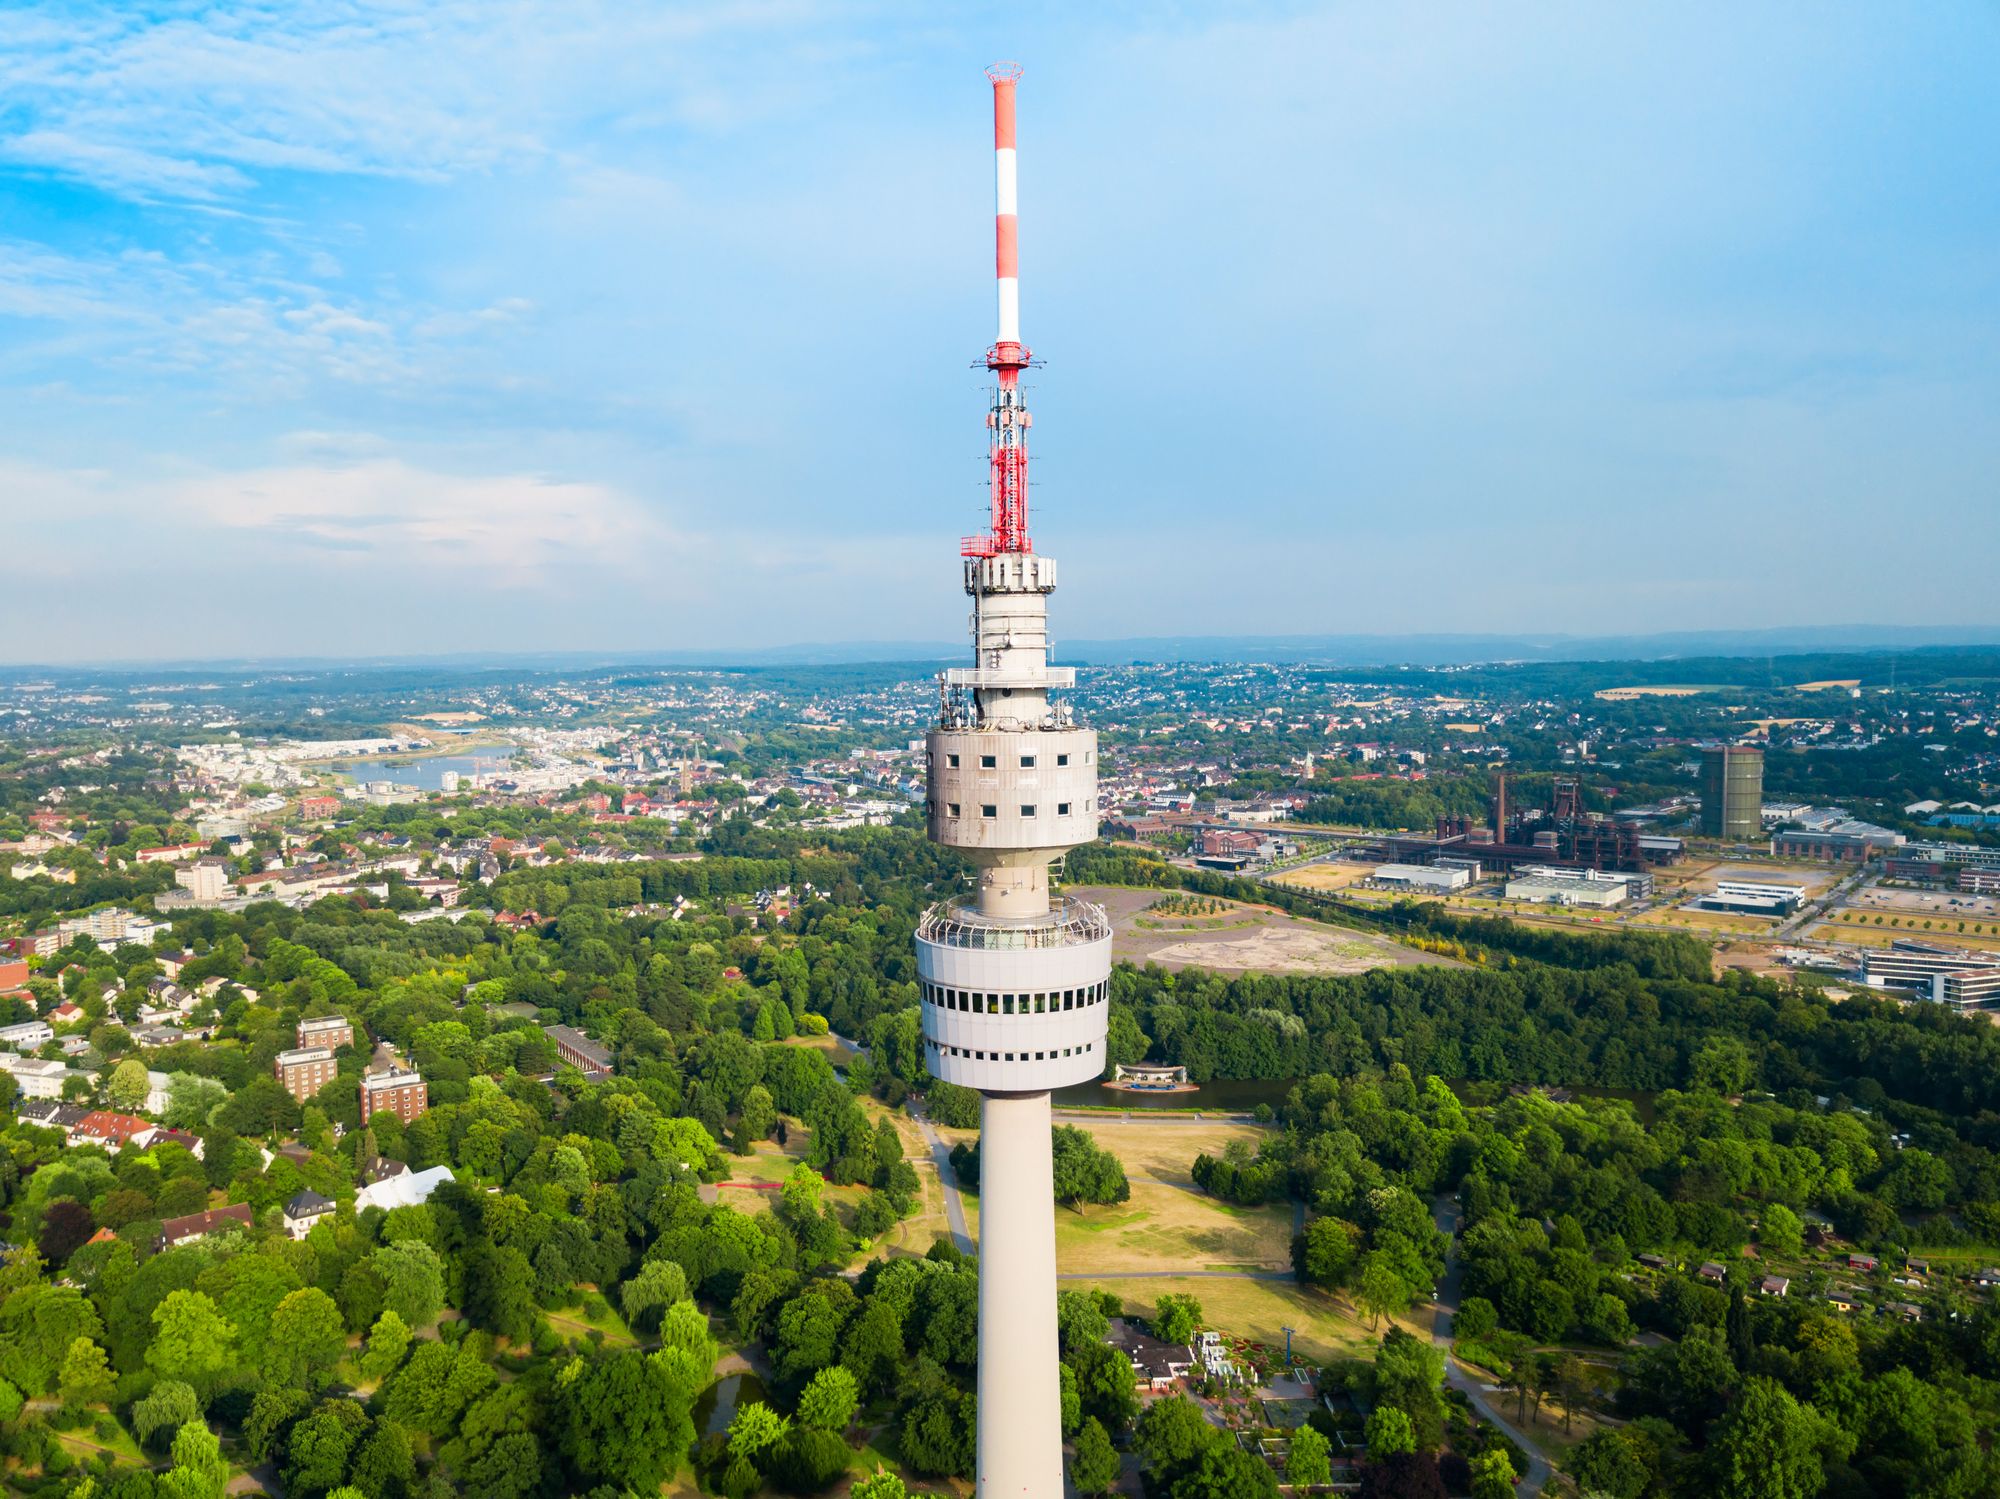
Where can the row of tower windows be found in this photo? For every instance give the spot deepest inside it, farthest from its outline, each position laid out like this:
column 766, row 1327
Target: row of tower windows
column 991, row 809
column 1011, row 1056
column 1052, row 1003
column 992, row 762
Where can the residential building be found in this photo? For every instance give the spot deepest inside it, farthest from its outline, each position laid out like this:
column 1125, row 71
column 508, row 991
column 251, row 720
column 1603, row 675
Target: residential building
column 29, row 1035
column 317, row 807
column 304, row 1210
column 305, row 1071
column 204, row 879
column 111, row 1130
column 36, row 1078
column 330, row 1031
column 396, row 1090
column 234, row 1218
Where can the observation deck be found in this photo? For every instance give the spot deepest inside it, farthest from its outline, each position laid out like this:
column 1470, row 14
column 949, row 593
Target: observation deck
column 1015, row 1005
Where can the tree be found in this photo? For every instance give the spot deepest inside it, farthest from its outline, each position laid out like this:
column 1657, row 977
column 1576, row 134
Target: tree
column 1085, row 1173
column 128, row 1085
column 1094, row 1468
column 1176, row 1318
column 1381, row 1291
column 1171, row 1434
column 387, row 1344
column 829, row 1399
column 192, row 1341
column 1492, row 1474
column 1414, row 1475
column 384, row 1463
column 629, row 1418
column 755, row 1427
column 1226, row 1471
column 1779, row 1232
column 1105, row 1385
column 1324, row 1254
column 306, row 1340
column 86, row 1377
column 318, row 1450
column 1310, row 1460
column 170, row 1406
column 66, row 1226
column 1768, row 1446
column 412, row 1281
column 657, row 1286
column 38, row 1323
column 199, row 1471
column 1389, row 1433
column 881, row 1484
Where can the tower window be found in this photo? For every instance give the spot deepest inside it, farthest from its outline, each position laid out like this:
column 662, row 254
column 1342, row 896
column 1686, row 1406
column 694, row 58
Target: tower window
column 954, row 808
column 988, row 809
column 1027, row 762
column 1062, row 759
column 952, row 761
column 1026, row 810
column 1062, row 809
column 988, row 762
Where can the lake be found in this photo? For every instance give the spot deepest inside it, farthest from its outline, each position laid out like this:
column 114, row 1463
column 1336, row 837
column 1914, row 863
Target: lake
column 426, row 772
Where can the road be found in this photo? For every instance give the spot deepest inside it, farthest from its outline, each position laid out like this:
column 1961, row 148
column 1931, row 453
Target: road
column 1456, row 1374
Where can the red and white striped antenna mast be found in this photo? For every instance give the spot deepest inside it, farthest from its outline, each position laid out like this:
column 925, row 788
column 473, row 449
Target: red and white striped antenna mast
column 1008, row 420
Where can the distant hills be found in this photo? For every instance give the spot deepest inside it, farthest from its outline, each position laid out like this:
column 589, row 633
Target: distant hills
column 1321, row 650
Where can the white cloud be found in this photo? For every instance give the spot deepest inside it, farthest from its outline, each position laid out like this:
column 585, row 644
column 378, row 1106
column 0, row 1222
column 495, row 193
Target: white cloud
column 510, row 529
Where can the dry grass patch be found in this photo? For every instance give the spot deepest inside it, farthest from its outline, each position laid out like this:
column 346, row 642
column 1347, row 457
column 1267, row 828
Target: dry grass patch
column 1322, row 1329
column 1172, row 1228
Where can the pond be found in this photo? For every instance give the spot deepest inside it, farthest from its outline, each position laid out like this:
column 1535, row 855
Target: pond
column 426, row 772
column 718, row 1403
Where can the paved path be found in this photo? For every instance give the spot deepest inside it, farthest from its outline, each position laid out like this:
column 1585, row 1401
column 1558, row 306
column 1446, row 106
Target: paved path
column 1456, row 1375
column 954, row 1204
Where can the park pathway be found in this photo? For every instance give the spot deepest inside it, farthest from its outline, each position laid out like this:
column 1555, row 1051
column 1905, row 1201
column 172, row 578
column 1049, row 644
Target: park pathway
column 1456, row 1374
column 954, row 1203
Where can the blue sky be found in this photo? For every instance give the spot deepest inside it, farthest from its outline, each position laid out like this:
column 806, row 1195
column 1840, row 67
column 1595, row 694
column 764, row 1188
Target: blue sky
column 358, row 328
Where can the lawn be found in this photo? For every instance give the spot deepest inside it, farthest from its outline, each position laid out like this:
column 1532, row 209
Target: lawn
column 1260, row 1310
column 1172, row 1228
column 1167, row 1152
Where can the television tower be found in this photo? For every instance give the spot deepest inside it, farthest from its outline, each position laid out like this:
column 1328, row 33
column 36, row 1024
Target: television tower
column 1015, row 979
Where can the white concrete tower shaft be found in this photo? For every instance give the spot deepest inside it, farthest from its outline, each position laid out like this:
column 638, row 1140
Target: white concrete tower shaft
column 1015, row 978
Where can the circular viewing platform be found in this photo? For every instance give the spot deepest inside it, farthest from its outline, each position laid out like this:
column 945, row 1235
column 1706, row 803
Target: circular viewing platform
column 1069, row 923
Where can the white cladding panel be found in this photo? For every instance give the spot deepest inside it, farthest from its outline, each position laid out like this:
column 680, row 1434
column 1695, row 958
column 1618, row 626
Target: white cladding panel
column 968, row 1043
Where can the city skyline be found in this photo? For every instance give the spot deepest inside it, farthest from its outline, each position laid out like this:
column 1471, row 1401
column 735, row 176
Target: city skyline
column 342, row 336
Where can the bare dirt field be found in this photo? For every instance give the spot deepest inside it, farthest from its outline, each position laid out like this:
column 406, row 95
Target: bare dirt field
column 1243, row 939
column 1701, row 876
column 1332, row 875
column 1627, row 694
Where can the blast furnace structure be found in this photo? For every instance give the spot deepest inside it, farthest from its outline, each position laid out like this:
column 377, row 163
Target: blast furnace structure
column 1015, row 976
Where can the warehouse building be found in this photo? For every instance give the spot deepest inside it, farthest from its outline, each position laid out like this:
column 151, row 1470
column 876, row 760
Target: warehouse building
column 1584, row 888
column 1436, row 881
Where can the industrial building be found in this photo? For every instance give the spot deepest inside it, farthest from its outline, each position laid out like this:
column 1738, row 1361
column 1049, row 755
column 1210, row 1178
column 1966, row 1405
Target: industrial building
column 1847, row 842
column 1014, row 977
column 1732, row 791
column 1570, row 888
column 1753, row 898
column 1439, row 878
